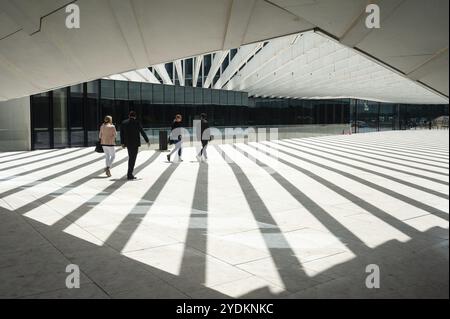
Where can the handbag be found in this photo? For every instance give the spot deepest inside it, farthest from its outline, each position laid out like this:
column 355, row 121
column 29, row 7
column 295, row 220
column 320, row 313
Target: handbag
column 98, row 147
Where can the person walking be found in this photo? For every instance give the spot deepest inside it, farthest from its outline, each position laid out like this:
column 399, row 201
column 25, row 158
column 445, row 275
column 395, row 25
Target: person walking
column 176, row 137
column 204, row 138
column 107, row 138
column 130, row 132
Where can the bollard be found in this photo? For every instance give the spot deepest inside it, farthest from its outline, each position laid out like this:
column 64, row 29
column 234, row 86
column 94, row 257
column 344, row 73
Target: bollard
column 163, row 140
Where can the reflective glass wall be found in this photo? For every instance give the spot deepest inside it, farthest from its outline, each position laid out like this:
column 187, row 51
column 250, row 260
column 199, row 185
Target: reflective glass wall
column 72, row 116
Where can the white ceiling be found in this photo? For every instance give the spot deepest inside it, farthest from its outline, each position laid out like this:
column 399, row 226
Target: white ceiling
column 38, row 53
column 306, row 65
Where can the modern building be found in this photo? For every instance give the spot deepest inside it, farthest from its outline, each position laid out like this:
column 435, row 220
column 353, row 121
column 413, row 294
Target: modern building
column 289, row 57
column 349, row 200
column 304, row 80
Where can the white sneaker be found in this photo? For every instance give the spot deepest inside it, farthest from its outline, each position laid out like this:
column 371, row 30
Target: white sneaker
column 198, row 158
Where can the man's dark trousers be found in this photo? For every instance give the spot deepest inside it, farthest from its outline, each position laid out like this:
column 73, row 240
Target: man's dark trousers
column 132, row 154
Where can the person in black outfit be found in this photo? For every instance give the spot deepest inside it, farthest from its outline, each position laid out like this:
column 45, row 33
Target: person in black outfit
column 204, row 138
column 176, row 136
column 130, row 131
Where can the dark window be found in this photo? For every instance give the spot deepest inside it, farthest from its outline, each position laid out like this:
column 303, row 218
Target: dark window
column 189, row 95
column 169, row 94
column 60, row 118
column 92, row 112
column 121, row 90
column 158, row 94
column 147, row 92
column 76, row 115
column 223, row 97
column 230, row 98
column 107, row 89
column 40, row 116
column 198, row 96
column 215, row 97
column 179, row 94
column 135, row 98
column 207, row 96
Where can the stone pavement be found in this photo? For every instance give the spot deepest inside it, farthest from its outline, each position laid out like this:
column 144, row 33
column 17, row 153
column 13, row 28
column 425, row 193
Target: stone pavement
column 298, row 218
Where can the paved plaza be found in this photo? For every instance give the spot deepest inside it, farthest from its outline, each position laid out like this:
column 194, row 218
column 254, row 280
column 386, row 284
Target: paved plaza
column 297, row 218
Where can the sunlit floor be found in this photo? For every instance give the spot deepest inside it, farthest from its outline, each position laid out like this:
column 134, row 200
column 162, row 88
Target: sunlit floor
column 299, row 218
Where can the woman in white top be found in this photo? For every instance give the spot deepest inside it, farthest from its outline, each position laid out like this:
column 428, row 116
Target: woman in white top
column 107, row 138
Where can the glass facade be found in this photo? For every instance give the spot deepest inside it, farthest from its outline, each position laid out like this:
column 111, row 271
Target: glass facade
column 71, row 116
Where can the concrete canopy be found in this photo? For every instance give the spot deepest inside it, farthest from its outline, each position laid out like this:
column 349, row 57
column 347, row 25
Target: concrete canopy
column 305, row 65
column 39, row 53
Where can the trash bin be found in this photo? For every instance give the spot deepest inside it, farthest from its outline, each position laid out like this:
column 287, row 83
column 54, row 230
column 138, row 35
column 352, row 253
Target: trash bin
column 163, row 140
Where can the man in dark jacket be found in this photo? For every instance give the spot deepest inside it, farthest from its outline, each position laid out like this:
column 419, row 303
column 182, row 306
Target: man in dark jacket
column 130, row 138
column 205, row 137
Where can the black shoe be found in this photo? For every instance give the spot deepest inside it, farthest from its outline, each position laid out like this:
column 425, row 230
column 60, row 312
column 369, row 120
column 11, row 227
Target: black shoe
column 168, row 158
column 130, row 178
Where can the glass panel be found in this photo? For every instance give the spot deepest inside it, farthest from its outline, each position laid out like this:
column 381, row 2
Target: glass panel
column 107, row 89
column 158, row 94
column 223, row 97
column 387, row 118
column 60, row 120
column 169, row 68
column 147, row 92
column 76, row 115
column 169, row 94
column 237, row 98
column 215, row 97
column 179, row 94
column 207, row 96
column 121, row 90
column 40, row 114
column 206, row 65
column 188, row 65
column 92, row 109
column 367, row 120
column 198, row 98
column 148, row 116
column 245, row 98
column 230, row 98
column 120, row 112
column 134, row 89
column 188, row 95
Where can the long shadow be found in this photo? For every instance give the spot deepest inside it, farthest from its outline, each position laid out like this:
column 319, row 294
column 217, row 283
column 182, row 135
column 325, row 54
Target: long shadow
column 364, row 258
column 39, row 160
column 369, row 151
column 122, row 234
column 106, row 272
column 98, row 198
column 400, row 149
column 321, row 146
column 289, row 268
column 390, row 177
column 406, row 144
column 403, row 198
column 358, row 201
column 406, row 273
column 40, row 168
column 64, row 189
column 197, row 232
column 15, row 154
column 415, row 150
column 58, row 174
